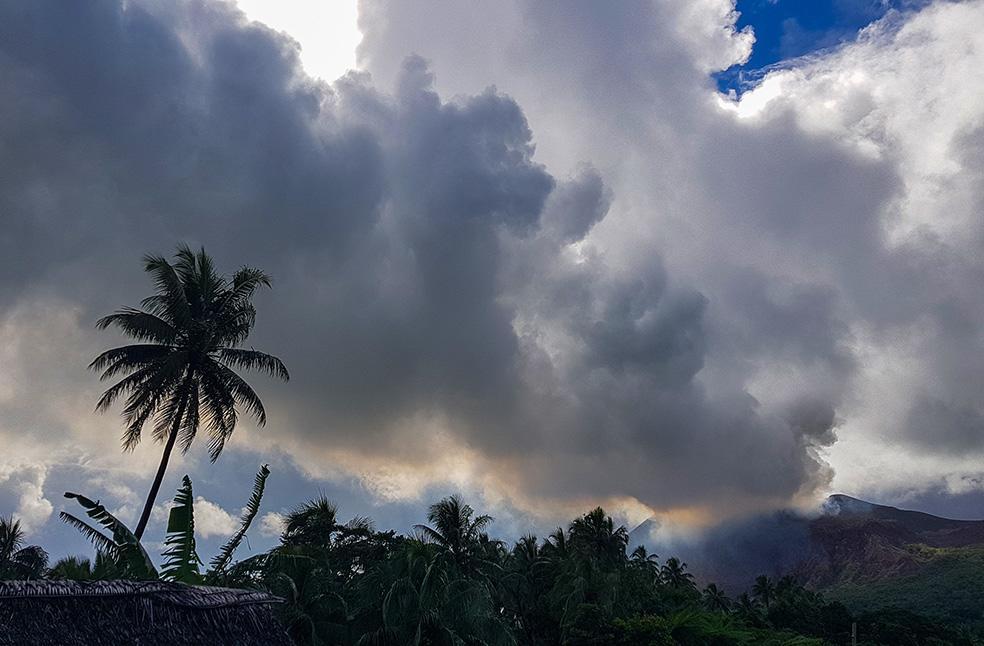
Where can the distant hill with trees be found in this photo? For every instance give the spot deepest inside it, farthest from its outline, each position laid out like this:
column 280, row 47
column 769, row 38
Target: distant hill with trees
column 871, row 557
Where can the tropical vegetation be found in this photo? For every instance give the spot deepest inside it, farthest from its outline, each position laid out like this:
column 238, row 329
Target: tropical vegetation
column 180, row 375
column 17, row 560
column 450, row 582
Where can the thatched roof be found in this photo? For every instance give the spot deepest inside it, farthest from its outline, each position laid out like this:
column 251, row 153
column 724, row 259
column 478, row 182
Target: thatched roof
column 134, row 612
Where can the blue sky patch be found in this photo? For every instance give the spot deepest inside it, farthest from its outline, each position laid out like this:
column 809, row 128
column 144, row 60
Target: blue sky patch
column 787, row 29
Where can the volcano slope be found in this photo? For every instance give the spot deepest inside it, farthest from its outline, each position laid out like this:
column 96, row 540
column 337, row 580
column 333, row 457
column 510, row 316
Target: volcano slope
column 868, row 556
column 873, row 556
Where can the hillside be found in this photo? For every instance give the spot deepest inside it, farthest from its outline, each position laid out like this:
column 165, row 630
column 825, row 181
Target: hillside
column 948, row 584
column 855, row 541
column 874, row 556
column 866, row 555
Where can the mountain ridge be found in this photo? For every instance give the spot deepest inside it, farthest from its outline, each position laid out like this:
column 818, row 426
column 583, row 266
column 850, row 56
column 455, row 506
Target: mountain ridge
column 850, row 540
column 868, row 555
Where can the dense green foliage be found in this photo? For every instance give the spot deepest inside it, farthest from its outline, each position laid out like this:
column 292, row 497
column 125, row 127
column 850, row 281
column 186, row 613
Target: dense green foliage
column 181, row 558
column 120, row 555
column 958, row 571
column 450, row 582
column 19, row 561
column 121, row 544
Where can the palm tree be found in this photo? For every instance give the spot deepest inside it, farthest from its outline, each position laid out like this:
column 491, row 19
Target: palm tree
column 180, row 373
column 71, row 568
column 786, row 588
column 595, row 536
column 526, row 551
column 18, row 561
column 764, row 590
column 454, row 529
column 79, row 568
column 305, row 586
column 428, row 601
column 748, row 610
column 642, row 559
column 311, row 524
column 715, row 599
column 675, row 574
column 555, row 547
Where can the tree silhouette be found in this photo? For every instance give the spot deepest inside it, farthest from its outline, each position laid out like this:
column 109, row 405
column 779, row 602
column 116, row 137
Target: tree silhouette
column 311, row 524
column 715, row 599
column 452, row 526
column 596, row 536
column 181, row 373
column 349, row 585
column 764, row 590
column 19, row 561
column 675, row 574
column 556, row 545
column 75, row 568
column 642, row 559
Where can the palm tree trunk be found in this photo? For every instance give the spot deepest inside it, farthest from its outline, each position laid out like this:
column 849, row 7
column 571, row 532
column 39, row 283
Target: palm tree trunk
column 154, row 488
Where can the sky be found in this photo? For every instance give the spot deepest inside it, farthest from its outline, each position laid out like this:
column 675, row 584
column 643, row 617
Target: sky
column 786, row 30
column 685, row 260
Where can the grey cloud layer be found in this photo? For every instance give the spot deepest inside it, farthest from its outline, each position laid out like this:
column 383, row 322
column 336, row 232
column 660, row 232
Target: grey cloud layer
column 834, row 230
column 675, row 323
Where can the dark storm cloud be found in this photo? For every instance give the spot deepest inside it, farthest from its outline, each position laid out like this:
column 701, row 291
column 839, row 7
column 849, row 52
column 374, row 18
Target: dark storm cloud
column 429, row 270
column 833, row 235
column 117, row 132
column 417, row 326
